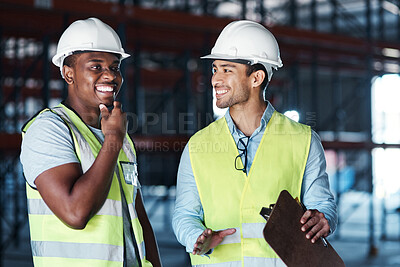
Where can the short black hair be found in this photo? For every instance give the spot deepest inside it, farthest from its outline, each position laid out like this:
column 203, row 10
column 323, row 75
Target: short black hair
column 71, row 59
column 256, row 67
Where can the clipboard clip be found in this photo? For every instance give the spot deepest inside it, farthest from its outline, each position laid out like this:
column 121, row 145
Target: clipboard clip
column 266, row 212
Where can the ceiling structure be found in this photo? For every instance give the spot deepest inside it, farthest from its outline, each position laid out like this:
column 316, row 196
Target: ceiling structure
column 319, row 40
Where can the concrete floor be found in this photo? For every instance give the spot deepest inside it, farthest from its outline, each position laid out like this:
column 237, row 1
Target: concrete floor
column 350, row 241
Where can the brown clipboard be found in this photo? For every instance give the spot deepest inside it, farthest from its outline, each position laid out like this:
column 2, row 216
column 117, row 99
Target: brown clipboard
column 283, row 234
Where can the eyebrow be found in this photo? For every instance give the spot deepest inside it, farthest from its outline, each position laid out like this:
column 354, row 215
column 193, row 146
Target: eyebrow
column 224, row 65
column 100, row 61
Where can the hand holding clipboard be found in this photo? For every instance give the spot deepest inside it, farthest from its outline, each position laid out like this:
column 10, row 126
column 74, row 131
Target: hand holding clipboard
column 283, row 233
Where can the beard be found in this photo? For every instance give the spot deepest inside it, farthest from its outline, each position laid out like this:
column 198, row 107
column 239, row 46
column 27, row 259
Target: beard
column 240, row 95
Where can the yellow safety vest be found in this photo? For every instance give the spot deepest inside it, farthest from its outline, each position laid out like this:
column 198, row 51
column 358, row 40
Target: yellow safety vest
column 230, row 199
column 101, row 242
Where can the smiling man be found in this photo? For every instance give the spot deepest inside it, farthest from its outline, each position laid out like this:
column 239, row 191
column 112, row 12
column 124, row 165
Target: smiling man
column 220, row 193
column 84, row 202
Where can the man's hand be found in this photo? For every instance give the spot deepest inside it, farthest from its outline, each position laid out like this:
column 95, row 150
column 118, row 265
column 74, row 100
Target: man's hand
column 114, row 122
column 210, row 239
column 316, row 224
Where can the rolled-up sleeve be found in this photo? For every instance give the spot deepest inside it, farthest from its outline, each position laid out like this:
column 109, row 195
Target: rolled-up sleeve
column 315, row 189
column 187, row 220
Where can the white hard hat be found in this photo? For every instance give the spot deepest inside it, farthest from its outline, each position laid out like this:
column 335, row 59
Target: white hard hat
column 88, row 35
column 250, row 41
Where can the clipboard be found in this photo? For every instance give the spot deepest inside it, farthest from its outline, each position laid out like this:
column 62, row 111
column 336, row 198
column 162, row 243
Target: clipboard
column 282, row 232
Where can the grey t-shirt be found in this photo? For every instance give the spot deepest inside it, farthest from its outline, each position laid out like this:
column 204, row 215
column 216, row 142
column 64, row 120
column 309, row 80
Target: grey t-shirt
column 48, row 144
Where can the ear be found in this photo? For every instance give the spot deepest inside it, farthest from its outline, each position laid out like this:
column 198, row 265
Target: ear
column 68, row 73
column 258, row 78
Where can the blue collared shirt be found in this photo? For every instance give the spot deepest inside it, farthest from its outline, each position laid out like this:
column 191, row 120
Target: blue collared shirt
column 187, row 220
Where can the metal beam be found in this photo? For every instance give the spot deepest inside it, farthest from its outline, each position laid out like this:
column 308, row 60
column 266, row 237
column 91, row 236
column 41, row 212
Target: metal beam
column 292, row 13
column 46, row 72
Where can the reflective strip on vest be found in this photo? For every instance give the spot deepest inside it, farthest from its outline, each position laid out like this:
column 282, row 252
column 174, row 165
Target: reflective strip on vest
column 126, row 147
column 142, row 250
column 77, row 250
column 253, row 230
column 248, row 261
column 86, row 159
column 250, row 230
column 132, row 211
column 231, row 239
column 39, row 207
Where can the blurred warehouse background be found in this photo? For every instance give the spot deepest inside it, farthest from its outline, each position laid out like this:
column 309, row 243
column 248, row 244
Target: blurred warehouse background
column 340, row 76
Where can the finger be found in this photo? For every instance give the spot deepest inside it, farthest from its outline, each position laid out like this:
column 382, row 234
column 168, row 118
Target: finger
column 226, row 232
column 310, row 223
column 305, row 217
column 319, row 234
column 200, row 239
column 323, row 232
column 197, row 247
column 315, row 231
column 207, row 232
column 117, row 104
column 103, row 110
column 197, row 250
column 316, row 237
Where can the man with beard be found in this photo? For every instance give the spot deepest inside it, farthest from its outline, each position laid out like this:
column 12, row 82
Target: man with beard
column 261, row 152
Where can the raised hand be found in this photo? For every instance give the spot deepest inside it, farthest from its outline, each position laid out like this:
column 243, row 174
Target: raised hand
column 113, row 122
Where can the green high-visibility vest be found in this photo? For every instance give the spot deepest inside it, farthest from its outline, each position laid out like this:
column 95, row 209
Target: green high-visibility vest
column 230, row 199
column 101, row 242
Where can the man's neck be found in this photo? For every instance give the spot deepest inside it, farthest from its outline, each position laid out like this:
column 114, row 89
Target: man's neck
column 247, row 118
column 88, row 116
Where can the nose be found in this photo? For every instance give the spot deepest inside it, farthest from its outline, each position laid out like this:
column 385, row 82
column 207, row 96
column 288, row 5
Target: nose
column 109, row 74
column 215, row 79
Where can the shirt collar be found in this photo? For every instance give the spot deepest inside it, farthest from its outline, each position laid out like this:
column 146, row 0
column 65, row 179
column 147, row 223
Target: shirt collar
column 264, row 120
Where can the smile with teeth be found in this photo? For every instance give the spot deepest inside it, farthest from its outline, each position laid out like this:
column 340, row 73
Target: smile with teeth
column 105, row 88
column 220, row 92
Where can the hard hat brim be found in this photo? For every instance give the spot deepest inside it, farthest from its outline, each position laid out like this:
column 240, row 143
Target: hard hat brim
column 252, row 60
column 59, row 57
